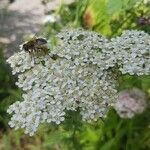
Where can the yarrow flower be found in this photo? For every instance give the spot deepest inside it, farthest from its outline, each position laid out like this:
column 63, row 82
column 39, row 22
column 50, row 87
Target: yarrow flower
column 77, row 74
column 130, row 103
column 72, row 76
column 132, row 50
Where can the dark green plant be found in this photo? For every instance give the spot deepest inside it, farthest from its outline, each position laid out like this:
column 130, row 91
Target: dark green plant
column 8, row 91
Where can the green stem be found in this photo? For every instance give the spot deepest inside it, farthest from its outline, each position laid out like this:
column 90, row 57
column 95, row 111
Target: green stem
column 75, row 141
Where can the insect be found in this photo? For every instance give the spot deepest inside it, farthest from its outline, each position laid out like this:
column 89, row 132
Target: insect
column 35, row 46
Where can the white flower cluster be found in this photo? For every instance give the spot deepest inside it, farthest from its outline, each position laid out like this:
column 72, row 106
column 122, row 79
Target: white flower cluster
column 132, row 50
column 78, row 74
column 86, row 47
column 130, row 103
column 70, row 77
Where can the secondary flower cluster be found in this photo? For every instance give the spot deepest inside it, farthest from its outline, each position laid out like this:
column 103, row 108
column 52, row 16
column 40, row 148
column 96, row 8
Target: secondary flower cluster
column 130, row 103
column 78, row 74
column 132, row 50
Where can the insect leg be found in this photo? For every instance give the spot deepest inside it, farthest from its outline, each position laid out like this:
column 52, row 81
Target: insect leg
column 32, row 56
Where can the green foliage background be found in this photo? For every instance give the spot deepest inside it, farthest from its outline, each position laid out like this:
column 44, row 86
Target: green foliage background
column 109, row 18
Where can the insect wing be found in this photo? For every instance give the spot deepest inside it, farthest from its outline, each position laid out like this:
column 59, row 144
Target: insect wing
column 41, row 41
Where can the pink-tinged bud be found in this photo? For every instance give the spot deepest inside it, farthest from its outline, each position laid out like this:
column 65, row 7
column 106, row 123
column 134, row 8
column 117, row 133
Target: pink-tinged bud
column 130, row 103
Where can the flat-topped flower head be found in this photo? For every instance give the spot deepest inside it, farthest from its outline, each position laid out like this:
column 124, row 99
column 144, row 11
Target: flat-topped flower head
column 73, row 76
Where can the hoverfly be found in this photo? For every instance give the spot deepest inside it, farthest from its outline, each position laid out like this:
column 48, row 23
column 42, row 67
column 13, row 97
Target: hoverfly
column 35, row 46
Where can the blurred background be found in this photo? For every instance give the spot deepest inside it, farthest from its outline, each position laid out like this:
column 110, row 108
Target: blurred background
column 21, row 19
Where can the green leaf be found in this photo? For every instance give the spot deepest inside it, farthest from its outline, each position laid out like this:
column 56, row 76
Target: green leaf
column 109, row 145
column 114, row 6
